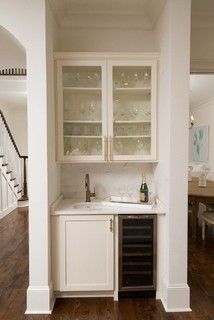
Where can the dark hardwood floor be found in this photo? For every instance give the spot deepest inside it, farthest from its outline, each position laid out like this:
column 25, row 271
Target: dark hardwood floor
column 14, row 282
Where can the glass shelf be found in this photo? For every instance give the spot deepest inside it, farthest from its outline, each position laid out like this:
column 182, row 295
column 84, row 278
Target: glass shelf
column 84, row 137
column 129, row 137
column 132, row 121
column 140, row 91
column 82, row 121
column 78, row 89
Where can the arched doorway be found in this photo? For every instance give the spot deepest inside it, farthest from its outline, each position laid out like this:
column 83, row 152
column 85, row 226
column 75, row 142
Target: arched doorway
column 13, row 123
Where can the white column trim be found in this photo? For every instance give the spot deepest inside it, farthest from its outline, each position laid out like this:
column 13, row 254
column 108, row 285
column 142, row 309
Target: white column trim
column 176, row 297
column 40, row 299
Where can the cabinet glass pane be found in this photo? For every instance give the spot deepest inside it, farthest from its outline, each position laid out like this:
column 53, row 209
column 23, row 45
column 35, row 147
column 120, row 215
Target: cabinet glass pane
column 82, row 110
column 132, row 110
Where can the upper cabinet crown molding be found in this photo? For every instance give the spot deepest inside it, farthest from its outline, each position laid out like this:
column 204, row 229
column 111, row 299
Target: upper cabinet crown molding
column 106, row 55
column 106, row 107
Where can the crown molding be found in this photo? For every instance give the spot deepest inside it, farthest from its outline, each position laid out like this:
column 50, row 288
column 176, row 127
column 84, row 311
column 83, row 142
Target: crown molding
column 203, row 103
column 202, row 66
column 105, row 55
column 202, row 21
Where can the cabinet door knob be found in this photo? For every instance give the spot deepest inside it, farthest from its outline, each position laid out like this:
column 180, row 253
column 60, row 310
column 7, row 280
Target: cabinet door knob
column 111, row 225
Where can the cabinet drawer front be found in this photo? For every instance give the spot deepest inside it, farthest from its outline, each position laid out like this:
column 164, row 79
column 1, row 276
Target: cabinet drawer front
column 87, row 262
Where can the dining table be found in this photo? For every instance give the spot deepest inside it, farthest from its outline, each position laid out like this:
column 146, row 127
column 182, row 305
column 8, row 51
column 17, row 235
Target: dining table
column 196, row 195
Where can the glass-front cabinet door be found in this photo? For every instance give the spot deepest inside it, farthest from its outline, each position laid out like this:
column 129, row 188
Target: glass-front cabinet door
column 82, row 111
column 132, row 110
column 106, row 109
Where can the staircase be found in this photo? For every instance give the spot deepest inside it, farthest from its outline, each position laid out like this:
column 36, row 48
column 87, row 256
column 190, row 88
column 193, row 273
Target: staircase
column 13, row 182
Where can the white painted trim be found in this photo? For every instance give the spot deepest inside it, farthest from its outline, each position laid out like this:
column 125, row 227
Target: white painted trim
column 116, row 296
column 105, row 55
column 202, row 66
column 205, row 103
column 96, row 294
column 7, row 211
column 55, row 203
column 175, row 297
column 40, row 299
column 23, row 204
column 175, row 309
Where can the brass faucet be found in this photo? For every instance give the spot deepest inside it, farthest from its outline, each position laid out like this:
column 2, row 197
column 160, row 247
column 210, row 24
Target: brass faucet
column 88, row 194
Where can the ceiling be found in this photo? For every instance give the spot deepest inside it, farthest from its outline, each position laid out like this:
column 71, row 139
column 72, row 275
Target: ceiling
column 140, row 14
column 201, row 89
column 202, row 7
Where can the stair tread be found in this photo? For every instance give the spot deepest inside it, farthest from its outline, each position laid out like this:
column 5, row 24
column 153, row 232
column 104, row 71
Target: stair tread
column 12, row 179
column 19, row 191
column 16, row 185
column 4, row 164
column 9, row 172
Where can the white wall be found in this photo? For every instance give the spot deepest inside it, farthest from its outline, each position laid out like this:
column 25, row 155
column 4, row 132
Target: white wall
column 12, row 53
column 16, row 117
column 101, row 39
column 204, row 115
column 108, row 179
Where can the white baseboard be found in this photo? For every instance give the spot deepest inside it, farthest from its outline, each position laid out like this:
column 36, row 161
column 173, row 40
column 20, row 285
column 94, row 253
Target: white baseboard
column 176, row 297
column 23, row 204
column 7, row 211
column 40, row 299
column 86, row 294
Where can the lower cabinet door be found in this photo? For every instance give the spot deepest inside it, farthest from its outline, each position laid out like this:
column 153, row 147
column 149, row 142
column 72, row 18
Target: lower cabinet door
column 86, row 262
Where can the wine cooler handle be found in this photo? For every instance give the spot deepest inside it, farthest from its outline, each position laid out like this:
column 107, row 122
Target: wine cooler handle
column 111, row 225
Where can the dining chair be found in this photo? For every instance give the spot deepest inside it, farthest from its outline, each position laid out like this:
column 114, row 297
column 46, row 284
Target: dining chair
column 207, row 218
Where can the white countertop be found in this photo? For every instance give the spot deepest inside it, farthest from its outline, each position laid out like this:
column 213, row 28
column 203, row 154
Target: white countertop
column 78, row 207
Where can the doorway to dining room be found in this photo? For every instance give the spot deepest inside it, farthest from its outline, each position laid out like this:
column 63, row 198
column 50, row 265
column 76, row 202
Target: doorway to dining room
column 201, row 157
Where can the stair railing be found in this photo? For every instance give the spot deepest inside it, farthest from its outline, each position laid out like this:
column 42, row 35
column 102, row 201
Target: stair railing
column 15, row 163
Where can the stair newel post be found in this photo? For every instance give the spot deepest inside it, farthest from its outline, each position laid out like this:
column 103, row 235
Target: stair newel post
column 25, row 194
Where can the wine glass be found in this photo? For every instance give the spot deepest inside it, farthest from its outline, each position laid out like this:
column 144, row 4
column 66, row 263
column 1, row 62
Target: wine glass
column 82, row 108
column 136, row 78
column 77, row 80
column 92, row 109
column 135, row 112
column 96, row 78
column 97, row 146
column 89, row 81
column 139, row 146
column 146, row 77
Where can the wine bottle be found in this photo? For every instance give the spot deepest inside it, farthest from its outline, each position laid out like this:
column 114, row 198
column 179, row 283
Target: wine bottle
column 144, row 191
